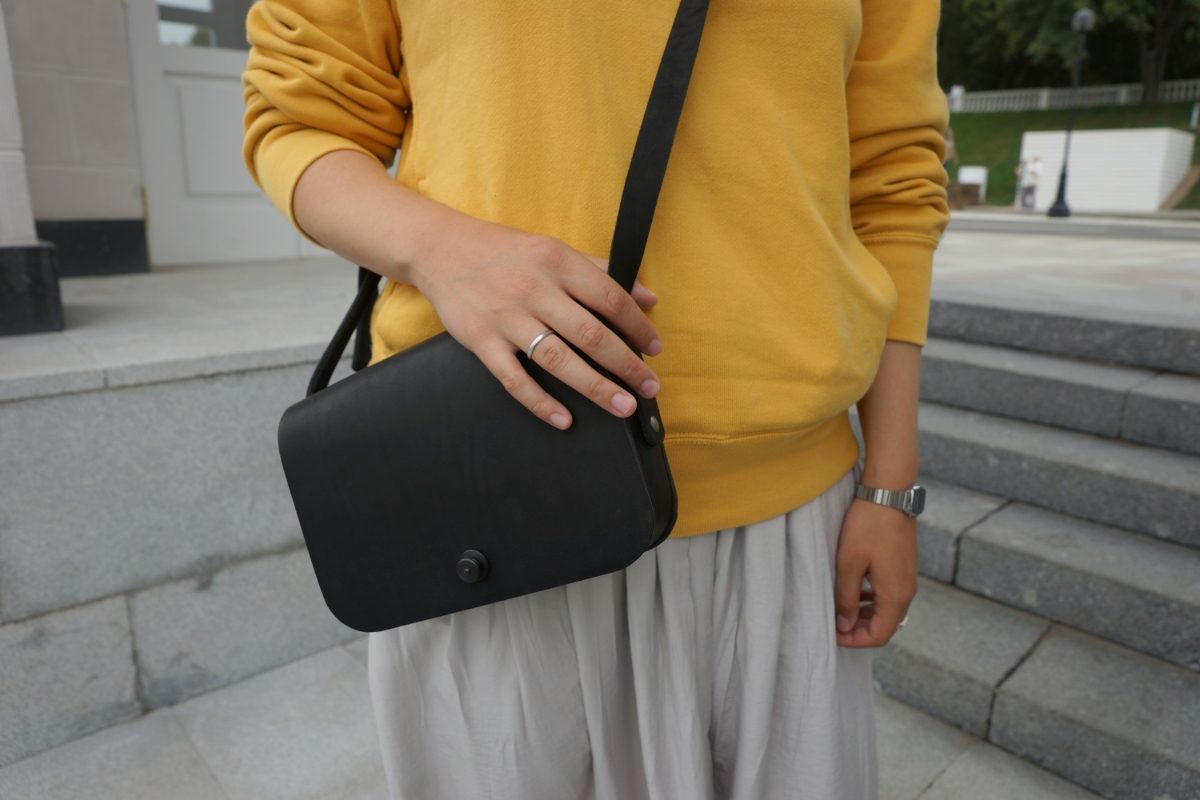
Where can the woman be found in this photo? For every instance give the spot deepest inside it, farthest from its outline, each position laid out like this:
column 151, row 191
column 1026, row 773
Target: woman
column 790, row 263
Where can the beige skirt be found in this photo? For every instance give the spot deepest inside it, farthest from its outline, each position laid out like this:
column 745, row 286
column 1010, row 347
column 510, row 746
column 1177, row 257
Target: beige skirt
column 706, row 669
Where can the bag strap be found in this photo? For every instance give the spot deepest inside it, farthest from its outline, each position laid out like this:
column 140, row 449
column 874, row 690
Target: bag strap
column 639, row 197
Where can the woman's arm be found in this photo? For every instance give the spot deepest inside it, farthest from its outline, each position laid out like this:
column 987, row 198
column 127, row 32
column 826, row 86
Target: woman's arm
column 898, row 116
column 494, row 287
column 878, row 541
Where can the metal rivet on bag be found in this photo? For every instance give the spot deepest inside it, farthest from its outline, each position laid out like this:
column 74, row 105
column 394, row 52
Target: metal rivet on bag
column 655, row 425
column 472, row 566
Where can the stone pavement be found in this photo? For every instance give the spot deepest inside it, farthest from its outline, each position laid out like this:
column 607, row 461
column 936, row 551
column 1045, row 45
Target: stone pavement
column 306, row 730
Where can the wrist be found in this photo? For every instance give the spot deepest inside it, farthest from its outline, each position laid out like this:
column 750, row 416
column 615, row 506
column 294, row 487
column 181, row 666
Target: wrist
column 890, row 474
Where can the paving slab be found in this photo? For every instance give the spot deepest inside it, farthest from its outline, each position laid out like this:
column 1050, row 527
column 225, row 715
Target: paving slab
column 64, row 675
column 306, row 730
column 953, row 652
column 1109, row 718
column 1130, row 588
column 913, row 748
column 985, row 772
column 1128, row 485
column 200, row 633
column 149, row 759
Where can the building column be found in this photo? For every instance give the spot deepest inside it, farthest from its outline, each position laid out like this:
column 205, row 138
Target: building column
column 29, row 296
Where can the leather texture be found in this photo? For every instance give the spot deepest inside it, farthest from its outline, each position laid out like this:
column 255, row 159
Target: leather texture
column 409, row 465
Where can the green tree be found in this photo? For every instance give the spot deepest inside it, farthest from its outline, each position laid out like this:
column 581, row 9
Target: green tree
column 998, row 44
column 1160, row 26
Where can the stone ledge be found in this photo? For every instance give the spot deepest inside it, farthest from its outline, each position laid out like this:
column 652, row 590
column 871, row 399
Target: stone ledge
column 1048, row 389
column 1096, row 333
column 1106, row 717
column 1129, row 588
column 1131, row 486
column 101, row 502
column 949, row 510
column 1165, row 412
column 176, row 323
column 954, row 651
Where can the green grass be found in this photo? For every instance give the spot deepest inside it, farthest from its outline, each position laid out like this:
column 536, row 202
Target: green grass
column 994, row 140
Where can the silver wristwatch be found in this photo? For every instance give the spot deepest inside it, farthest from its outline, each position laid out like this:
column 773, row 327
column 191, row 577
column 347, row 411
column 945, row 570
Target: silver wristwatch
column 911, row 501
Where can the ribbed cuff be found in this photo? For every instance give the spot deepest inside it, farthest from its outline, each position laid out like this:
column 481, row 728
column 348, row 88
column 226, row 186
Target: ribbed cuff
column 909, row 262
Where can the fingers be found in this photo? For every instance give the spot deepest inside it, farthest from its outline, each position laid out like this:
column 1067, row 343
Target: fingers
column 574, row 323
column 877, row 620
column 846, row 592
column 554, row 356
column 643, row 296
column 605, row 296
column 503, row 364
column 883, row 623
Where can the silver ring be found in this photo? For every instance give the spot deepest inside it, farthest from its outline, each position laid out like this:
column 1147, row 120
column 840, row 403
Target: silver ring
column 536, row 341
column 901, row 625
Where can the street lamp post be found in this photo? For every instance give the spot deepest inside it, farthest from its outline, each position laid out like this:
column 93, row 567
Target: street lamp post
column 1083, row 21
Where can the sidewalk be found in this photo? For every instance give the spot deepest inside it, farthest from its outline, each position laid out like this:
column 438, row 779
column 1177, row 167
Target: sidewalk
column 1165, row 225
column 306, row 730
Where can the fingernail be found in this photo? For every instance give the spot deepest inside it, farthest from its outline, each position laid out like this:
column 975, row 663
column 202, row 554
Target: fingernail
column 654, row 348
column 623, row 403
column 843, row 623
column 559, row 421
column 649, row 387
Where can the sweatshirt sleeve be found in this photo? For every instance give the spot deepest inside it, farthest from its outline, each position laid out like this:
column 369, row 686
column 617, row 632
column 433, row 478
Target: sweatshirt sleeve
column 897, row 116
column 320, row 76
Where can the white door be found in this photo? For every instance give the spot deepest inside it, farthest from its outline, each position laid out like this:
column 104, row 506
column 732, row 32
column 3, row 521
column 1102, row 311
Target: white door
column 202, row 206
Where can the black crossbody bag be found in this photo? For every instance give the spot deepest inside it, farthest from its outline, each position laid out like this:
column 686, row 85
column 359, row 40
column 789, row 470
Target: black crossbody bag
column 423, row 488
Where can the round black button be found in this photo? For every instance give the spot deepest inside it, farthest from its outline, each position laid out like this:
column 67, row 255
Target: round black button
column 472, row 566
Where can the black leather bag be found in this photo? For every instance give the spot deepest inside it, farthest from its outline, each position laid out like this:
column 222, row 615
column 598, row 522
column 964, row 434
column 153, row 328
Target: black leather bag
column 423, row 488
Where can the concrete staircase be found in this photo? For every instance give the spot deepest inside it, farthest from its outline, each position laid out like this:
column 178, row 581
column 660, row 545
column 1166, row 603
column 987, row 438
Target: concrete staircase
column 1059, row 610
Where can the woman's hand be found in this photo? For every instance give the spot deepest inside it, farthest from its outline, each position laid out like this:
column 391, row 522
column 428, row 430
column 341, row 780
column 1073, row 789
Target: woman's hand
column 495, row 288
column 879, row 543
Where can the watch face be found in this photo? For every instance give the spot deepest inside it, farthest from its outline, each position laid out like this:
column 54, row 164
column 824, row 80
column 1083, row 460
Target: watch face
column 918, row 500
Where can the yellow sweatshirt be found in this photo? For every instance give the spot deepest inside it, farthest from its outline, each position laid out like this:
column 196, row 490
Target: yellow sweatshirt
column 795, row 231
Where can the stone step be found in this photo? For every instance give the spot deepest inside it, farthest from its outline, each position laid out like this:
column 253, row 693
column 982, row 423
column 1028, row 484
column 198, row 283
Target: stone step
column 1141, row 592
column 1042, row 325
column 1106, row 717
column 1138, row 405
column 1119, row 722
column 1123, row 586
column 1130, row 486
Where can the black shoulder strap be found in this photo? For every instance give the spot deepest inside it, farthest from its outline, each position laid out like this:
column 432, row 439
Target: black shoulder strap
column 643, row 182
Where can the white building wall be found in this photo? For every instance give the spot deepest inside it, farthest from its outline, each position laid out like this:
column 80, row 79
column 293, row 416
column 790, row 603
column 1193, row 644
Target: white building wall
column 16, row 211
column 1111, row 170
column 70, row 61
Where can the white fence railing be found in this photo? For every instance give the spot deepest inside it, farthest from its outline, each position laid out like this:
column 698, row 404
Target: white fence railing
column 1031, row 99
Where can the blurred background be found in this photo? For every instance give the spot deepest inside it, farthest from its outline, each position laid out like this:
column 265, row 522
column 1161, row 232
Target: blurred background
column 161, row 632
